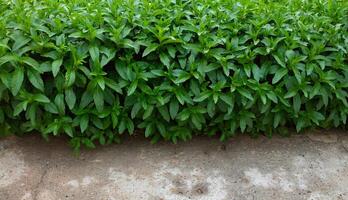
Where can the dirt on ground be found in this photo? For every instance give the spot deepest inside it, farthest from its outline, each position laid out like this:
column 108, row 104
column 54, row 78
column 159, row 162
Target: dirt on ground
column 311, row 166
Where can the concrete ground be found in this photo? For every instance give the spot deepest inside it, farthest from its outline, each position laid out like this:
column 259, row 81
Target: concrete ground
column 311, row 166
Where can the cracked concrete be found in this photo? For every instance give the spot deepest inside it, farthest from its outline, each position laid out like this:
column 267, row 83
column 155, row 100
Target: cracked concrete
column 42, row 178
column 313, row 166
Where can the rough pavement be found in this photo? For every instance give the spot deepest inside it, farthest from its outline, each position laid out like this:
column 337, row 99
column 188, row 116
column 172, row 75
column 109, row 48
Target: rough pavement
column 312, row 166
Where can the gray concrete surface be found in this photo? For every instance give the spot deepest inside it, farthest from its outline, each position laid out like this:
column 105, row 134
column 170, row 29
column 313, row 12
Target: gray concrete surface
column 312, row 166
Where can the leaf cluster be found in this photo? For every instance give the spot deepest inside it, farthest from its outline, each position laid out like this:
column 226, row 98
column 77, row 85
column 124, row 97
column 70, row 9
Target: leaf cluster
column 173, row 68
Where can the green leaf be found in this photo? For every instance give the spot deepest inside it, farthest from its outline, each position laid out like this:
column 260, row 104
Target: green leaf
column 161, row 128
column 122, row 126
column 183, row 76
column 242, row 124
column 297, row 103
column 17, row 80
column 316, row 117
column 280, row 62
column 70, row 78
column 7, row 58
column 148, row 111
column 20, row 42
column 290, row 93
column 247, row 69
column 31, row 62
column 300, row 124
column 56, row 66
column 315, row 90
column 272, row 96
column 149, row 49
column 245, row 93
column 164, row 113
column 35, row 79
column 31, row 114
column 279, row 75
column 102, row 140
column 257, row 72
column 173, row 108
column 88, row 143
column 136, row 108
column 77, row 34
column 130, row 126
column 94, row 52
column 184, row 115
column 165, row 59
column 86, row 99
column 263, row 98
column 101, row 83
column 211, row 108
column 277, row 119
column 70, row 98
column 114, row 119
column 132, row 87
column 171, row 51
column 215, row 97
column 121, row 69
column 113, row 85
column 202, row 96
column 131, row 44
column 84, row 122
column 98, row 97
column 227, row 99
column 41, row 98
column 196, row 121
column 51, row 108
column 149, row 129
column 182, row 97
column 22, row 106
column 68, row 130
column 59, row 101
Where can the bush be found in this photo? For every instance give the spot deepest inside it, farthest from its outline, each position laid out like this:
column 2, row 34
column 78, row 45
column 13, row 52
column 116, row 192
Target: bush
column 172, row 68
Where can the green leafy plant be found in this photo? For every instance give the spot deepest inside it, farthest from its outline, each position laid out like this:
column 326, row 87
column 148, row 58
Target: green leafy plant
column 94, row 70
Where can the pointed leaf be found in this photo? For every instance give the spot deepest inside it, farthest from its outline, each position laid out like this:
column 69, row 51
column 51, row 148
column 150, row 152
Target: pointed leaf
column 279, row 75
column 70, row 98
column 17, row 80
column 56, row 66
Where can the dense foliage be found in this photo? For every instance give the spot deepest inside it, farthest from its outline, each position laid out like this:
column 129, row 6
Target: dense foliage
column 172, row 68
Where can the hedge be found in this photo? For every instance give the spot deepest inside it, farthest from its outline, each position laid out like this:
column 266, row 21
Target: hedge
column 171, row 69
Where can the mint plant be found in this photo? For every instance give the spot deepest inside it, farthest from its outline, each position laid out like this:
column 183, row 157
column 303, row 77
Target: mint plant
column 96, row 69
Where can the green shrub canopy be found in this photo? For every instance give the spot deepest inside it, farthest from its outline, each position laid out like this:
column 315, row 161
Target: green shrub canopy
column 172, row 68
